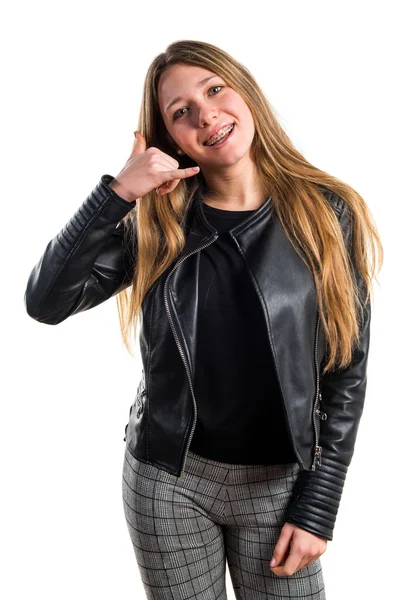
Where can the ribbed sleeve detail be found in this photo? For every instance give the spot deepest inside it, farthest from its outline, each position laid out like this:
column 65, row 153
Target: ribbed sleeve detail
column 316, row 498
column 68, row 265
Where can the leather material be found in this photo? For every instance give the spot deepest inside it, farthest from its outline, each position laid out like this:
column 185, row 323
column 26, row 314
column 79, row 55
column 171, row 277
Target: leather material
column 317, row 494
column 73, row 275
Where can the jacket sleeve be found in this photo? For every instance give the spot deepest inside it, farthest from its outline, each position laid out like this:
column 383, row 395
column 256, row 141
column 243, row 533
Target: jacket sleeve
column 86, row 262
column 315, row 501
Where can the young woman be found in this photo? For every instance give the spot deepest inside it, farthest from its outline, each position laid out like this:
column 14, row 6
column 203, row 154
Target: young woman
column 249, row 270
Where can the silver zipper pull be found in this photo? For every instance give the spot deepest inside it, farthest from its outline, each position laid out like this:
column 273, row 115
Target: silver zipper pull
column 140, row 402
column 323, row 416
column 140, row 409
column 317, row 457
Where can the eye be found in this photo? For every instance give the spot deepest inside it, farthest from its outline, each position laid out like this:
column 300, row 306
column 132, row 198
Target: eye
column 176, row 115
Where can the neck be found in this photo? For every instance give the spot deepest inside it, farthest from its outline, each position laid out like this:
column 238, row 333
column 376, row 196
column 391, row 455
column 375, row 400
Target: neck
column 235, row 188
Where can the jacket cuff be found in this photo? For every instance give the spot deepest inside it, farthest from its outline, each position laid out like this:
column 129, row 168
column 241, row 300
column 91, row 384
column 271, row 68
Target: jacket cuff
column 316, row 498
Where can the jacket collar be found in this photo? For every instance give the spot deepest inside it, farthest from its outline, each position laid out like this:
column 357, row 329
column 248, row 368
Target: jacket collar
column 200, row 230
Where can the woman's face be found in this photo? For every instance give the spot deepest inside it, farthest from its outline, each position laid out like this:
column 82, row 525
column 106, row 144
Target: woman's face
column 203, row 106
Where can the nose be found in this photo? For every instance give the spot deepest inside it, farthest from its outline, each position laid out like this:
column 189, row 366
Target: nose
column 206, row 114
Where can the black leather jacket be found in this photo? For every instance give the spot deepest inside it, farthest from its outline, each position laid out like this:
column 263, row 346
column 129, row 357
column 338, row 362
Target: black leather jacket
column 86, row 263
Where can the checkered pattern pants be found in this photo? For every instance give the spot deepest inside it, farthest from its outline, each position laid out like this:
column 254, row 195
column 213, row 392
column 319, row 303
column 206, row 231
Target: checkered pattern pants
column 184, row 530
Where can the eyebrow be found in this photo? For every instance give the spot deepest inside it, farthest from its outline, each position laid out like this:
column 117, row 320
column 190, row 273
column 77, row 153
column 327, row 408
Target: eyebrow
column 179, row 98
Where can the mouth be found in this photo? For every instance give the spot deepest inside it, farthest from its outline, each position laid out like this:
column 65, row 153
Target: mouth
column 222, row 138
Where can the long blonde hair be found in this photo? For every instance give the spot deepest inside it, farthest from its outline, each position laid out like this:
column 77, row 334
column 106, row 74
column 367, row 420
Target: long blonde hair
column 298, row 199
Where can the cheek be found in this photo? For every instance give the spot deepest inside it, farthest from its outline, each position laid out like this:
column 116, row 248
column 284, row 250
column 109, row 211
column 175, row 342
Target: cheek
column 184, row 136
column 171, row 136
column 246, row 114
column 239, row 109
column 178, row 133
column 247, row 123
column 229, row 104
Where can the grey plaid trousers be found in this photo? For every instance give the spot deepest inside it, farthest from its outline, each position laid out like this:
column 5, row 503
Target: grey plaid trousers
column 183, row 530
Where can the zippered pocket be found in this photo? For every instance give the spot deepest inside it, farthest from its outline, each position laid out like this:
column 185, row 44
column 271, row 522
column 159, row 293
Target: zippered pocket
column 137, row 406
column 322, row 415
column 140, row 402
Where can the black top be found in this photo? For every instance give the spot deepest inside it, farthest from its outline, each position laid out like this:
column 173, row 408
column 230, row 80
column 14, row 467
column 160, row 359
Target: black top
column 240, row 413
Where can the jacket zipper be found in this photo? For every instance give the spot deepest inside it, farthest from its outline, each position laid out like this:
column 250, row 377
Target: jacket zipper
column 289, row 429
column 317, row 449
column 181, row 351
column 322, row 415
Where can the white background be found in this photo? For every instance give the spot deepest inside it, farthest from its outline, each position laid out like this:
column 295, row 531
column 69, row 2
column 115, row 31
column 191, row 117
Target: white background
column 72, row 82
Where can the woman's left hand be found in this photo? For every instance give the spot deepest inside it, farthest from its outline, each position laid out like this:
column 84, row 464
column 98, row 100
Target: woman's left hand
column 296, row 548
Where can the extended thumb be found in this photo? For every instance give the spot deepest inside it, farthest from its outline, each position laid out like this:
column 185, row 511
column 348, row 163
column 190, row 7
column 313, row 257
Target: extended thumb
column 139, row 145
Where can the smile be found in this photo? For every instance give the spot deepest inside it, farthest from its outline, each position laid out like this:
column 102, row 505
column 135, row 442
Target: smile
column 220, row 142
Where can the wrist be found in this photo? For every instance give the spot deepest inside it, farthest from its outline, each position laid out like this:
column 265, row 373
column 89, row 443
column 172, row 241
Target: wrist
column 121, row 191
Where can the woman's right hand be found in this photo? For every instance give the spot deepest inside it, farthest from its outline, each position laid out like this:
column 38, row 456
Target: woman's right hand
column 146, row 170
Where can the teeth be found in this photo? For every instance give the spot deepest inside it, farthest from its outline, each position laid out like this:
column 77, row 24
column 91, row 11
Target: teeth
column 214, row 140
column 220, row 136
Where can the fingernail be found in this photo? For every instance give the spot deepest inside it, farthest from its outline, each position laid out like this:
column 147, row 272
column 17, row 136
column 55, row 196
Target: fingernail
column 195, row 168
column 273, row 562
column 134, row 133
